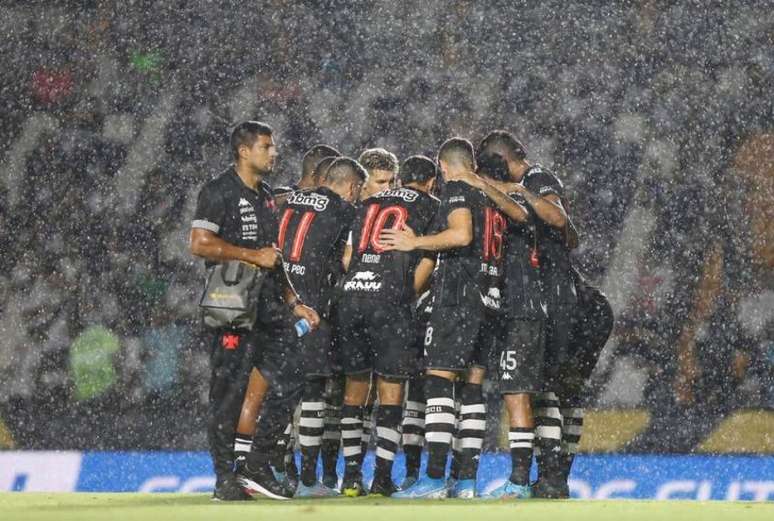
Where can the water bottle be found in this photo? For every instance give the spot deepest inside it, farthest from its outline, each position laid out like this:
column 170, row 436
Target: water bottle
column 303, row 327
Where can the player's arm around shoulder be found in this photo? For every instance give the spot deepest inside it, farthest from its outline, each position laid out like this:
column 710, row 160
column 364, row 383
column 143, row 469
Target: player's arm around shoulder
column 543, row 192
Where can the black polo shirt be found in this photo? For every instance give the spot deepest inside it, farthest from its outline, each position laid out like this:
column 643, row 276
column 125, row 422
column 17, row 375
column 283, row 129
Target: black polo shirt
column 236, row 213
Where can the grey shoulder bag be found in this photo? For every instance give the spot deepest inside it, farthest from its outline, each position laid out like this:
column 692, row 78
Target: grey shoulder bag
column 230, row 297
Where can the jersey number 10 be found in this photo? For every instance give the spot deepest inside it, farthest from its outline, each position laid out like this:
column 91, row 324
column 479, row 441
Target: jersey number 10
column 375, row 221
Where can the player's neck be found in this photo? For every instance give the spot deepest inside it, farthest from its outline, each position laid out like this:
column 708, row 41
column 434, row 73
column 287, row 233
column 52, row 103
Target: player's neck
column 249, row 176
column 306, row 182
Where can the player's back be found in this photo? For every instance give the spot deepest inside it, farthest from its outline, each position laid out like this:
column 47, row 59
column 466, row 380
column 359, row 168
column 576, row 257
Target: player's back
column 481, row 261
column 313, row 230
column 387, row 275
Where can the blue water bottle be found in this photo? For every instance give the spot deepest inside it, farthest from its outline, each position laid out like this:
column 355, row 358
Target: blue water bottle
column 303, row 327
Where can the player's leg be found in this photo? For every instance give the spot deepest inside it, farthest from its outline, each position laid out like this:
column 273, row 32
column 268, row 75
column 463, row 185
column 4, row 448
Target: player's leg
column 519, row 375
column 470, row 432
column 451, row 334
column 260, row 470
column 388, row 419
column 591, row 328
column 355, row 395
column 274, row 370
column 413, row 429
column 334, row 397
column 368, row 420
column 257, row 388
column 316, row 351
column 230, row 365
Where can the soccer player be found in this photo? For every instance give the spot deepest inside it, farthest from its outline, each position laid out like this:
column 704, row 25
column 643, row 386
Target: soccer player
column 542, row 192
column 382, row 167
column 234, row 220
column 314, row 227
column 309, row 163
column 374, row 319
column 521, row 343
column 467, row 297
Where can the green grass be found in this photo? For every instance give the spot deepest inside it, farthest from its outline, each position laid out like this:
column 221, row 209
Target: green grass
column 191, row 507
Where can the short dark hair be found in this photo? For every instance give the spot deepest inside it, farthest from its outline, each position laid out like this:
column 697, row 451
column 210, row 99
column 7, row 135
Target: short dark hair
column 493, row 166
column 322, row 167
column 378, row 159
column 504, row 143
column 246, row 134
column 345, row 169
column 457, row 150
column 417, row 169
column 314, row 155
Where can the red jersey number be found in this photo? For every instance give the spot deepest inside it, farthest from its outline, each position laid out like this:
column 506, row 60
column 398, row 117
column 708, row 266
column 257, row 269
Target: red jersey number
column 494, row 226
column 375, row 221
column 301, row 231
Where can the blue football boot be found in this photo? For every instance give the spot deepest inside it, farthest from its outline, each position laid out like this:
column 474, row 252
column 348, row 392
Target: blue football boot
column 509, row 490
column 425, row 488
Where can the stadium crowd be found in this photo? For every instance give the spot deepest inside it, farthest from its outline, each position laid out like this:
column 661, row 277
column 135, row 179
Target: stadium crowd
column 654, row 114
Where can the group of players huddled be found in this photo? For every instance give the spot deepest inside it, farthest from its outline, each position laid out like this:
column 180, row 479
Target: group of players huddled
column 418, row 281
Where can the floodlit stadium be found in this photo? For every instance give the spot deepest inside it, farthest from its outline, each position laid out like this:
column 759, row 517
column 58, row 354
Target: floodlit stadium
column 389, row 260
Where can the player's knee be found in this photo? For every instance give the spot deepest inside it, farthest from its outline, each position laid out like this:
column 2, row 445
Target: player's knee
column 356, row 389
column 390, row 391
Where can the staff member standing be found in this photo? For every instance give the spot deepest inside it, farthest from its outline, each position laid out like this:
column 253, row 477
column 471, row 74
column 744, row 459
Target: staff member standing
column 236, row 219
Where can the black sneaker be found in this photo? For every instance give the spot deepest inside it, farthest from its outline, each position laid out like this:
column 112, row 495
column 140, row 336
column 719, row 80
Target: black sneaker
column 229, row 489
column 384, row 488
column 331, row 480
column 261, row 480
column 550, row 489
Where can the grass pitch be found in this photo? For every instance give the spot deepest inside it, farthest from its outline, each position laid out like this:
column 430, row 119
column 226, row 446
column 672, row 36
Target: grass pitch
column 191, row 507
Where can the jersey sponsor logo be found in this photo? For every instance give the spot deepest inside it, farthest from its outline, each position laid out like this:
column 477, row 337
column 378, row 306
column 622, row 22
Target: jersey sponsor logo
column 317, row 201
column 249, row 220
column 402, row 193
column 371, row 258
column 457, row 199
column 492, row 298
column 364, row 281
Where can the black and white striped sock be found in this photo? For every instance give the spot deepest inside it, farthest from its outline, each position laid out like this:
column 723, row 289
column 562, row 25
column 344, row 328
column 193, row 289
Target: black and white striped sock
column 572, row 430
column 310, row 429
column 439, row 423
column 471, row 430
column 414, row 428
column 387, row 440
column 331, row 438
column 548, row 434
column 242, row 444
column 368, row 425
column 521, row 441
column 351, row 434
column 454, row 468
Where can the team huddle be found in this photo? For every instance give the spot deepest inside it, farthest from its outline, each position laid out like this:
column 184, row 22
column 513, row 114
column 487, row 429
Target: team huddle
column 392, row 292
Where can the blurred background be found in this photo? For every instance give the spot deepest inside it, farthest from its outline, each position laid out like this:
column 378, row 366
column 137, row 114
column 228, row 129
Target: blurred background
column 657, row 115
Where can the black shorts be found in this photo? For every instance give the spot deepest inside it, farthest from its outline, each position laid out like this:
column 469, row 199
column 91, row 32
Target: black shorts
column 276, row 354
column 378, row 337
column 521, row 356
column 317, row 352
column 459, row 337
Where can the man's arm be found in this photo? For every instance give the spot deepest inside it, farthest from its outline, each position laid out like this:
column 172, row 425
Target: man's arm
column 347, row 257
column 493, row 191
column 548, row 207
column 422, row 275
column 208, row 245
column 458, row 234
